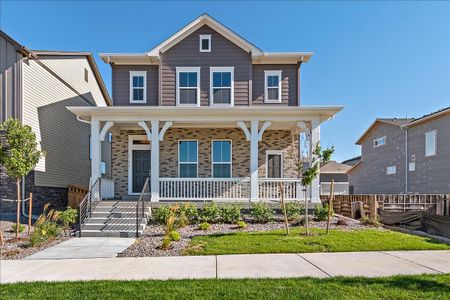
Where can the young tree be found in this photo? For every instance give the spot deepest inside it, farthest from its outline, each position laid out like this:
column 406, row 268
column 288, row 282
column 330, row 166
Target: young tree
column 18, row 154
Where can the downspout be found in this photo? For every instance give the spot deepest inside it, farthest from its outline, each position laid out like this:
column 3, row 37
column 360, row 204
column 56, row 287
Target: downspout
column 406, row 161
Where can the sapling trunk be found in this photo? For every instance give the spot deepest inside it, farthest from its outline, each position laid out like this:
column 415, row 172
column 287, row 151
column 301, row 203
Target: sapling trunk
column 18, row 207
column 283, row 205
column 306, row 212
column 330, row 204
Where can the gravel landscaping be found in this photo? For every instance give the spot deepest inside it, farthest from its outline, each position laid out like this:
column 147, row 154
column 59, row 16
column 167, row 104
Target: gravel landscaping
column 149, row 243
column 18, row 249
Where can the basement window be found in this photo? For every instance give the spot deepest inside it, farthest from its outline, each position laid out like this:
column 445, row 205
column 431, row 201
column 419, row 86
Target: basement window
column 205, row 43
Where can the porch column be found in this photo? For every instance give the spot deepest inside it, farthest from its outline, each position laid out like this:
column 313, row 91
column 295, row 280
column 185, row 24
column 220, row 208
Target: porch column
column 154, row 165
column 315, row 139
column 95, row 151
column 254, row 137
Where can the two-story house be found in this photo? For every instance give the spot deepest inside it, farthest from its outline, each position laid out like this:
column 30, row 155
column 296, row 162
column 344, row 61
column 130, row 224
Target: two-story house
column 35, row 88
column 208, row 116
column 404, row 156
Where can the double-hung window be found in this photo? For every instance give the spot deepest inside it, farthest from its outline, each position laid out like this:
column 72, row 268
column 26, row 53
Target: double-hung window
column 221, row 159
column 188, row 159
column 205, row 43
column 430, row 143
column 272, row 86
column 138, row 86
column 222, row 85
column 188, row 86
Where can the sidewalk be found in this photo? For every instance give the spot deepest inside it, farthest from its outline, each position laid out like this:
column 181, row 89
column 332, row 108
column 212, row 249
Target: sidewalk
column 368, row 264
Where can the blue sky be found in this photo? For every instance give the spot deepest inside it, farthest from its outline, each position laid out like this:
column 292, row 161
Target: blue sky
column 378, row 59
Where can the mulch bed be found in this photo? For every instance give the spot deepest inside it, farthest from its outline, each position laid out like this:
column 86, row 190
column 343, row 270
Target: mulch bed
column 149, row 243
column 18, row 248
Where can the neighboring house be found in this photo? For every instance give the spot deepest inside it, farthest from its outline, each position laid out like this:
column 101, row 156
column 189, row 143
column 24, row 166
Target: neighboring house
column 404, row 156
column 352, row 161
column 35, row 87
column 333, row 170
column 208, row 116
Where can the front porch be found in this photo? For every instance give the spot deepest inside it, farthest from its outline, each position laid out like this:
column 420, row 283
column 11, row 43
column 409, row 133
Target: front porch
column 206, row 154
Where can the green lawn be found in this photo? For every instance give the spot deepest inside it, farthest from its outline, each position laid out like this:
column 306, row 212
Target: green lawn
column 336, row 241
column 398, row 287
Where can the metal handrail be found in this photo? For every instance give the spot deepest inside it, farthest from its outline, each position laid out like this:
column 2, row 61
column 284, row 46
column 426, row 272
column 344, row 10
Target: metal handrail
column 140, row 205
column 89, row 202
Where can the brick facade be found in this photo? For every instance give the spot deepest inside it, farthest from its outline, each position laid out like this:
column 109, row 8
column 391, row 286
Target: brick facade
column 272, row 140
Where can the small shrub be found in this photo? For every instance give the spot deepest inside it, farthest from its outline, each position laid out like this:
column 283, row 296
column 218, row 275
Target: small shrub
column 241, row 224
column 45, row 231
column 210, row 213
column 174, row 235
column 21, row 228
column 371, row 222
column 204, row 226
column 161, row 214
column 261, row 212
column 187, row 214
column 68, row 217
column 230, row 214
column 166, row 243
column 321, row 213
column 294, row 210
column 342, row 222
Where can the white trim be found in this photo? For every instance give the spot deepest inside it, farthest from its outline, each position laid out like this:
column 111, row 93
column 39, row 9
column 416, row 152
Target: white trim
column 263, row 128
column 391, row 170
column 166, row 126
column 244, row 128
column 383, row 138
column 275, row 152
column 211, row 87
column 132, row 147
column 138, row 73
column 205, row 37
column 272, row 73
column 191, row 70
column 178, row 162
column 105, row 129
column 434, row 132
column 222, row 163
column 146, row 129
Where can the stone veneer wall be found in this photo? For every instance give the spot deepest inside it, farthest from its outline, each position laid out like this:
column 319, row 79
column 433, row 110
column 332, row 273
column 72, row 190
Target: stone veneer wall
column 272, row 140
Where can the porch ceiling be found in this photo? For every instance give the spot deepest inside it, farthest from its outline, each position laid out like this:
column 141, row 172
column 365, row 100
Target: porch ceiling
column 207, row 116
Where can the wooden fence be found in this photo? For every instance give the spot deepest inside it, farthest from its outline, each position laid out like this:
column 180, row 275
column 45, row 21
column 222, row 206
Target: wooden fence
column 75, row 194
column 354, row 206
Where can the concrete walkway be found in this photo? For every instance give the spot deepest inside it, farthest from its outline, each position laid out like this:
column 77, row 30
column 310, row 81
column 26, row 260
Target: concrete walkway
column 368, row 264
column 87, row 247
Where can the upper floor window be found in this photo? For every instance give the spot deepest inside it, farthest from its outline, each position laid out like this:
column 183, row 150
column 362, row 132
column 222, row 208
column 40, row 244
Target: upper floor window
column 205, row 43
column 391, row 170
column 221, row 159
column 138, row 86
column 430, row 143
column 221, row 86
column 188, row 159
column 272, row 86
column 379, row 142
column 188, row 86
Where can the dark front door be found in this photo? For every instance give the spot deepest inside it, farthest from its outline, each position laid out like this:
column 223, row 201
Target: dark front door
column 141, row 169
column 274, row 166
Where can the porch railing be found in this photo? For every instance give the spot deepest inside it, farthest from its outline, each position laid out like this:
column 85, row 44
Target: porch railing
column 222, row 189
column 144, row 198
column 90, row 201
column 269, row 189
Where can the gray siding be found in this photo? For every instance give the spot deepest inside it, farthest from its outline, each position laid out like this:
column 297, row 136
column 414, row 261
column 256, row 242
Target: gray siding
column 338, row 177
column 223, row 53
column 121, row 84
column 432, row 173
column 10, row 81
column 289, row 90
column 370, row 176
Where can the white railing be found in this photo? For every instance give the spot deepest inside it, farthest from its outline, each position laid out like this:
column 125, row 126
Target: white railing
column 187, row 189
column 269, row 189
column 339, row 188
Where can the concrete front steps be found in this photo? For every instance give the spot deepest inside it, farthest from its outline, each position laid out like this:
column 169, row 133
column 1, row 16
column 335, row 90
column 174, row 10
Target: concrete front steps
column 114, row 219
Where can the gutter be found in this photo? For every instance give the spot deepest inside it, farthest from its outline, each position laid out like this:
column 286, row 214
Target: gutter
column 406, row 160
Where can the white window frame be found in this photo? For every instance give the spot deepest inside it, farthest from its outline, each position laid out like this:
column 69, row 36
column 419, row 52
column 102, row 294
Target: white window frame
column 138, row 73
column 434, row 132
column 375, row 145
column 412, row 166
column 212, row 70
column 275, row 152
column 222, row 163
column 185, row 162
column 205, row 37
column 394, row 168
column 268, row 73
column 189, row 70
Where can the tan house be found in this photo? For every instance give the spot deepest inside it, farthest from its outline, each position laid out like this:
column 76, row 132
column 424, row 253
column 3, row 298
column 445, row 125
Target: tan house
column 207, row 116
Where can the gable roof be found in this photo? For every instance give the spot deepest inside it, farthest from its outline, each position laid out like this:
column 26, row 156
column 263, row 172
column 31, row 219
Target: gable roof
column 377, row 122
column 258, row 55
column 22, row 49
column 428, row 117
column 333, row 167
column 352, row 161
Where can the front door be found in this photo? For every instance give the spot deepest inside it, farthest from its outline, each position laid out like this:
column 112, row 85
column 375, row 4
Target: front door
column 274, row 166
column 141, row 169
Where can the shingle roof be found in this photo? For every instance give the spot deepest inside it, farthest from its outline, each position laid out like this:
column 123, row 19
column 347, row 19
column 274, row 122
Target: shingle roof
column 334, row 168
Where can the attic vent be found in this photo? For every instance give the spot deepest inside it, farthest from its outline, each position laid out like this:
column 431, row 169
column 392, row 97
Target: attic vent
column 86, row 75
column 205, row 43
column 413, row 157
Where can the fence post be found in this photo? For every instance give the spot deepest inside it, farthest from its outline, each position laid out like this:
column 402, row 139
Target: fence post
column 79, row 221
